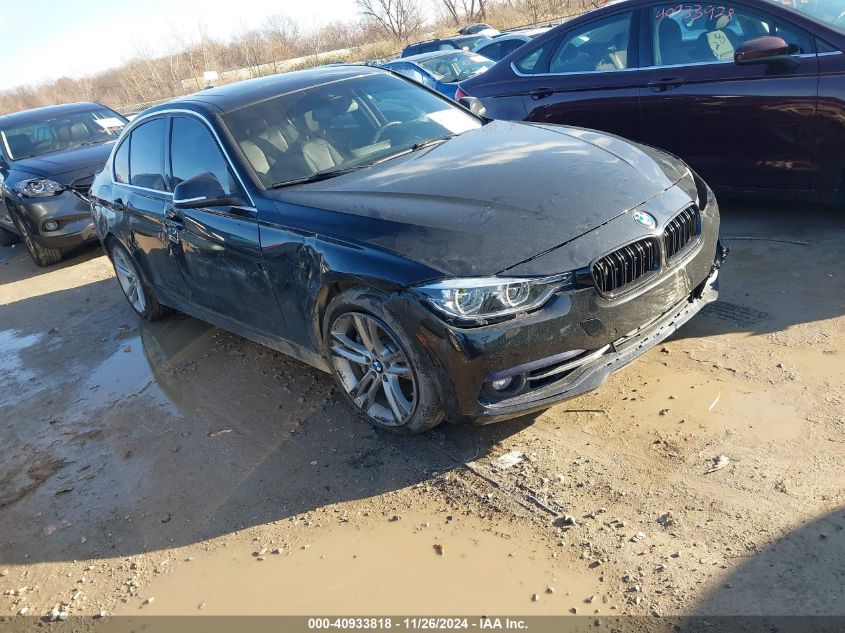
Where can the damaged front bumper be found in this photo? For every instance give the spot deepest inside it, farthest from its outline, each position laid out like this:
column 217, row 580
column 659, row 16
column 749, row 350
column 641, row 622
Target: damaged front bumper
column 565, row 349
column 589, row 375
column 69, row 210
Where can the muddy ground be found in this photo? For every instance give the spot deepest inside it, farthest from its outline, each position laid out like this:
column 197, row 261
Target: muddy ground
column 173, row 468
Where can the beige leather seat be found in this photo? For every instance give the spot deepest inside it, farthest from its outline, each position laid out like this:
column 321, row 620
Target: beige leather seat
column 262, row 146
column 276, row 138
column 720, row 43
column 63, row 133
column 255, row 156
column 320, row 155
column 78, row 131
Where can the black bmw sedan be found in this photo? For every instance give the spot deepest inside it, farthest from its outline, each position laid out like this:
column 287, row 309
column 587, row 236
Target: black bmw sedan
column 439, row 265
column 48, row 158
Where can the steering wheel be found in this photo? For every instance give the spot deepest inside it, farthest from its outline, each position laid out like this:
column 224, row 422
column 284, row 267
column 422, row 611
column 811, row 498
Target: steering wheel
column 382, row 130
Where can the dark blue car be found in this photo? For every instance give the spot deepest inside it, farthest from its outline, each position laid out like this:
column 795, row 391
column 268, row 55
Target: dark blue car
column 441, row 70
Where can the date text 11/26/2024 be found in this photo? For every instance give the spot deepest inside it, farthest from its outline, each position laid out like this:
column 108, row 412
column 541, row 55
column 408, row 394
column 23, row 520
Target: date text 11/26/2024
column 418, row 623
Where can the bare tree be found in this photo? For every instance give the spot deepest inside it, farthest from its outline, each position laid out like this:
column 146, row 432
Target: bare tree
column 533, row 10
column 463, row 11
column 398, row 19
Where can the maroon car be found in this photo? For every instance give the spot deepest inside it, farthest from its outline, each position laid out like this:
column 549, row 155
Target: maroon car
column 751, row 94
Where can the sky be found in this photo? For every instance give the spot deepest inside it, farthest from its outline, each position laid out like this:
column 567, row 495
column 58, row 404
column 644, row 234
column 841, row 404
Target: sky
column 76, row 38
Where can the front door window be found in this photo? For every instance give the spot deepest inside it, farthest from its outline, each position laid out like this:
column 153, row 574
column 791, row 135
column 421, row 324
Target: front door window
column 704, row 33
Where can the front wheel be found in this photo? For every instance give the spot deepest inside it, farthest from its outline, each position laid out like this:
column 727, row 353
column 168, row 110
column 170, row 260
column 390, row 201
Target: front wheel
column 137, row 292
column 41, row 255
column 377, row 367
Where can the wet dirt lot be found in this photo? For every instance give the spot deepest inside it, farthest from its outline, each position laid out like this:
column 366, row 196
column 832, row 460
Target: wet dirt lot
column 177, row 462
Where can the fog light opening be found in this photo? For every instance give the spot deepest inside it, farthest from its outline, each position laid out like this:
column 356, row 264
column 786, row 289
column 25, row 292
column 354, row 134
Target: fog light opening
column 52, row 225
column 503, row 388
column 502, row 383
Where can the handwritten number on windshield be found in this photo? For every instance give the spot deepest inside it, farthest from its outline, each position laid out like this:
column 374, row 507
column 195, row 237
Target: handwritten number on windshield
column 690, row 13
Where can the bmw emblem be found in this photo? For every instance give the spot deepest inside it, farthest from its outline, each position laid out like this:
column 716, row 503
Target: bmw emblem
column 645, row 219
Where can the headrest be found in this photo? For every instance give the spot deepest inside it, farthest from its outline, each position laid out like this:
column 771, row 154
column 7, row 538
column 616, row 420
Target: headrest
column 63, row 132
column 20, row 145
column 78, row 131
column 336, row 107
column 722, row 22
column 669, row 28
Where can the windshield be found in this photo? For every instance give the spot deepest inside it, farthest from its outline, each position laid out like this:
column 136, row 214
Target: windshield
column 456, row 66
column 60, row 132
column 831, row 12
column 342, row 125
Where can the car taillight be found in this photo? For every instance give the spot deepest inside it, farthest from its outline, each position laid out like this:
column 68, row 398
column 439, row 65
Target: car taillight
column 460, row 94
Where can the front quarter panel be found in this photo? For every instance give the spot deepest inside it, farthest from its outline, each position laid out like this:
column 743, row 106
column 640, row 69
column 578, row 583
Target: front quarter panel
column 305, row 265
column 106, row 219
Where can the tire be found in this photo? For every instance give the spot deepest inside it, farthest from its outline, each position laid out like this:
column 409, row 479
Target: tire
column 41, row 255
column 382, row 374
column 135, row 289
column 7, row 238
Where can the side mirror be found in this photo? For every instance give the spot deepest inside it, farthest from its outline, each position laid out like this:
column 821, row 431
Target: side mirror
column 765, row 50
column 203, row 190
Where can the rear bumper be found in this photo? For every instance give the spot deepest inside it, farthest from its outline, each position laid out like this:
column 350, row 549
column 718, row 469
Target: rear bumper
column 70, row 212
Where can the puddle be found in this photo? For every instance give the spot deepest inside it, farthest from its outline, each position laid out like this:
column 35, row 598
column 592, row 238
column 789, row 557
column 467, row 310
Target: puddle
column 382, row 567
column 14, row 372
column 690, row 401
column 125, row 373
column 154, row 362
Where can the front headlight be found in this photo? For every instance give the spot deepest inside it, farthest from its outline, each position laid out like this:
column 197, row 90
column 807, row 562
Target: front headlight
column 39, row 187
column 477, row 300
column 696, row 189
column 475, row 105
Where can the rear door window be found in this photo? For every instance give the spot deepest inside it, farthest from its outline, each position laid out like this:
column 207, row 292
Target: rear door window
column 599, row 46
column 121, row 163
column 509, row 46
column 492, row 51
column 146, row 155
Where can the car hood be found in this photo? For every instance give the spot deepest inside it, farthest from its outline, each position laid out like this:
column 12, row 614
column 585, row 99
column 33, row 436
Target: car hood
column 68, row 165
column 490, row 198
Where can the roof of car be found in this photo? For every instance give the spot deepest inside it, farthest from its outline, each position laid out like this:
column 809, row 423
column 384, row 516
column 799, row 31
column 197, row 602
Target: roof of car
column 504, row 37
column 419, row 57
column 451, row 38
column 28, row 116
column 236, row 95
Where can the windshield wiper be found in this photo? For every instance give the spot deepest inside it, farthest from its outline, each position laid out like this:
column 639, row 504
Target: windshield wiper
column 432, row 141
column 415, row 147
column 320, row 175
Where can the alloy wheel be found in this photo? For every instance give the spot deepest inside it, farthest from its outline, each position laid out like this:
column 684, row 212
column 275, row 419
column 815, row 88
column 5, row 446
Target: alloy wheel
column 129, row 280
column 373, row 369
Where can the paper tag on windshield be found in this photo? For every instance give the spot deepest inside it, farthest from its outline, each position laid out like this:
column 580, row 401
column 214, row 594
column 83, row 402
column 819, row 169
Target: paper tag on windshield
column 454, row 120
column 109, row 123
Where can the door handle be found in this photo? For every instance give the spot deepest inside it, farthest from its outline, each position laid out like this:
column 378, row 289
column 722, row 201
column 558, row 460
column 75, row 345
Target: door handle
column 174, row 219
column 173, row 223
column 541, row 93
column 118, row 205
column 665, row 83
